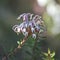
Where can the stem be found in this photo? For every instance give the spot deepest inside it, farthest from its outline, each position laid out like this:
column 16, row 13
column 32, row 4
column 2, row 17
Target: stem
column 15, row 50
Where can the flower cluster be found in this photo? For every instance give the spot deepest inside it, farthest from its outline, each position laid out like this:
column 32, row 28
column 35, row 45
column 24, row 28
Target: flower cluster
column 30, row 25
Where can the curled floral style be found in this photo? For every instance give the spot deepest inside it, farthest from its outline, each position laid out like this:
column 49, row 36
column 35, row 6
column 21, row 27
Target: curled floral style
column 30, row 25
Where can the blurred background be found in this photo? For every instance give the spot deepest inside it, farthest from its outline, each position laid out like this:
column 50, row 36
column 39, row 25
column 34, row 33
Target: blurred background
column 11, row 9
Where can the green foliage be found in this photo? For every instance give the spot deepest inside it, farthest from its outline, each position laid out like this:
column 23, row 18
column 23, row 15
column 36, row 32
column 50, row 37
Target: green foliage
column 49, row 55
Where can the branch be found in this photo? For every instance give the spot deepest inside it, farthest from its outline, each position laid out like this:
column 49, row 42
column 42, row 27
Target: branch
column 15, row 50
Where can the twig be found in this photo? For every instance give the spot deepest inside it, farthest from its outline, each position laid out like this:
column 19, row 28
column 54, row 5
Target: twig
column 15, row 50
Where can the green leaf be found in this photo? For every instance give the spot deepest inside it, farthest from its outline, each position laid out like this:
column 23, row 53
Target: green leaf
column 53, row 54
column 29, row 53
column 18, row 42
column 49, row 51
column 45, row 54
column 52, row 59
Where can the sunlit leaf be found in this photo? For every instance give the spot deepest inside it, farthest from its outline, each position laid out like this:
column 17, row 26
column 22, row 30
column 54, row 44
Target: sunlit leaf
column 53, row 54
column 18, row 42
column 46, row 54
column 49, row 51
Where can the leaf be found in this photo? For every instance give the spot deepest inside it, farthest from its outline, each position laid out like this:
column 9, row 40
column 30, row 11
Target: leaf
column 29, row 53
column 53, row 54
column 49, row 51
column 53, row 59
column 11, row 50
column 44, row 58
column 45, row 54
column 18, row 42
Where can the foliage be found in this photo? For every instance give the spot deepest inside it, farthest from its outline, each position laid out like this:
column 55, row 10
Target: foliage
column 49, row 55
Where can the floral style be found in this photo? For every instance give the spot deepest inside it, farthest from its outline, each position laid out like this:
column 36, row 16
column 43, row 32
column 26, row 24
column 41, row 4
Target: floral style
column 30, row 25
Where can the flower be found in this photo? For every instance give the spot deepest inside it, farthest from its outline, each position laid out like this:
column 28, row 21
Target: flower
column 21, row 16
column 37, row 28
column 16, row 28
column 32, row 29
column 33, row 23
column 34, row 36
column 25, row 34
column 23, row 30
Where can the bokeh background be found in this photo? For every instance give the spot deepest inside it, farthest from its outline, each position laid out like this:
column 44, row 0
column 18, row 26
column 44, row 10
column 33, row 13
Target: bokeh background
column 11, row 9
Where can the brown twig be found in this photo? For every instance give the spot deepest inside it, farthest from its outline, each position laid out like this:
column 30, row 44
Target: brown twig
column 15, row 50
